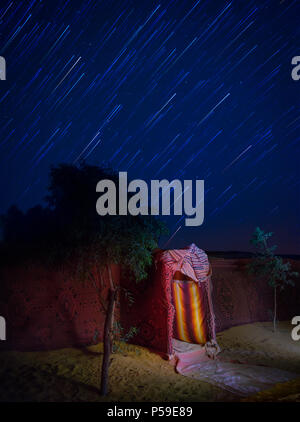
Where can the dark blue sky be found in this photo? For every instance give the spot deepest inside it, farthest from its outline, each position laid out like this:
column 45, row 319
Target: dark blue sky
column 161, row 89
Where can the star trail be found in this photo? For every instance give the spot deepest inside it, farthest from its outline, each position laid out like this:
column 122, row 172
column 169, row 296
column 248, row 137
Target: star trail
column 167, row 89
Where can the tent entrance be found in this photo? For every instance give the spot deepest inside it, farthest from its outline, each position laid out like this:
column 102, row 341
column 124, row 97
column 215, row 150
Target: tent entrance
column 189, row 323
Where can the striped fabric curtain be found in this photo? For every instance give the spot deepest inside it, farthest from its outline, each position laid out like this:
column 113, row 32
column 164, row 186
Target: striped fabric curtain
column 189, row 322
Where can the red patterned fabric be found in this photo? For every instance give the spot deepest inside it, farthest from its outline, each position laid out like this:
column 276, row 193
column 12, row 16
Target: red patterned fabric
column 190, row 261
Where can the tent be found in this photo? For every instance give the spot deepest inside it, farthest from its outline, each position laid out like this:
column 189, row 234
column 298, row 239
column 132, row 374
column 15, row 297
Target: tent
column 175, row 302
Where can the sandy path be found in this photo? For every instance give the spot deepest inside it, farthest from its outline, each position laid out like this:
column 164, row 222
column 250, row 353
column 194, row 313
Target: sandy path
column 258, row 344
column 138, row 375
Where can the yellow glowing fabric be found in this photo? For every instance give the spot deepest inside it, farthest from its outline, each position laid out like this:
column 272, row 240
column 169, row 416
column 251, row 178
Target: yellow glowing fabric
column 189, row 321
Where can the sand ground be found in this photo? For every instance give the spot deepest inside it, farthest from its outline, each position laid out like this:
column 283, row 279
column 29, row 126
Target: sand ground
column 138, row 375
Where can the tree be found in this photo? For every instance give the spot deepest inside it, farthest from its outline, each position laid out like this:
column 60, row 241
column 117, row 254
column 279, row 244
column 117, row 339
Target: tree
column 98, row 242
column 266, row 264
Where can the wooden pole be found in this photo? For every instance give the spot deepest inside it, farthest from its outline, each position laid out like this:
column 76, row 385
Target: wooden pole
column 107, row 335
column 275, row 309
column 107, row 341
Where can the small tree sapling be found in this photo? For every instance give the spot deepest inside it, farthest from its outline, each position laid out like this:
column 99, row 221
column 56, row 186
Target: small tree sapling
column 266, row 264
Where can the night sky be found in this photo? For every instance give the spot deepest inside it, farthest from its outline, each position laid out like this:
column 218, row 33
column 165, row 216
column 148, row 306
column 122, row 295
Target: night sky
column 161, row 89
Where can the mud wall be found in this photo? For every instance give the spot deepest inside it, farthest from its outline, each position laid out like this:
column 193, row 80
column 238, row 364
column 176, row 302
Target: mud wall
column 241, row 299
column 48, row 309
